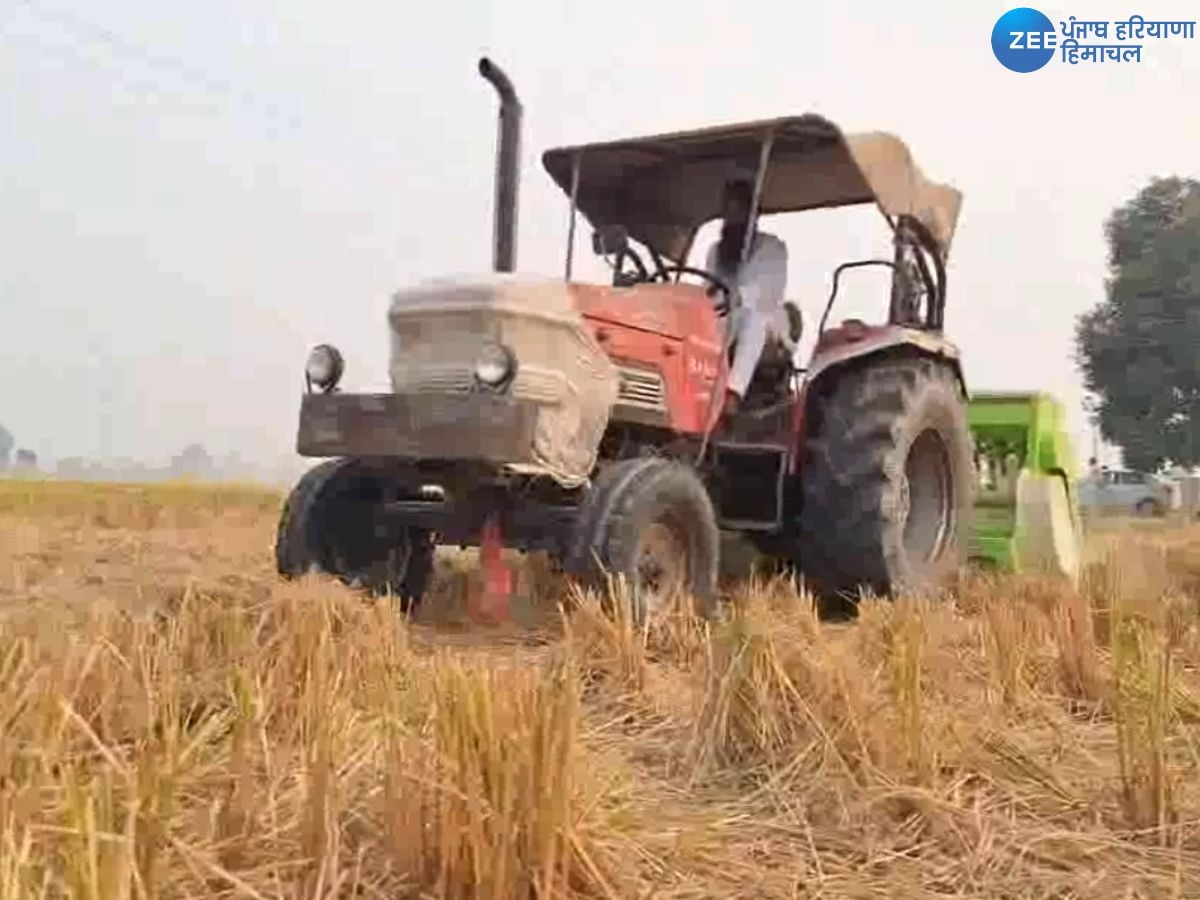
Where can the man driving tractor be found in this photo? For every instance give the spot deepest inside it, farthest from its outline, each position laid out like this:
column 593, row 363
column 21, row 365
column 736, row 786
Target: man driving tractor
column 573, row 417
column 757, row 284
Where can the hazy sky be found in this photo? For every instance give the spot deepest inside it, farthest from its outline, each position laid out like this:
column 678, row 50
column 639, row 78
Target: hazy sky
column 193, row 194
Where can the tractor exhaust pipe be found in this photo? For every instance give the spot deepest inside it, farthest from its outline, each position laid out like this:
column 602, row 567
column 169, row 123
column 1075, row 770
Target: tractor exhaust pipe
column 508, row 168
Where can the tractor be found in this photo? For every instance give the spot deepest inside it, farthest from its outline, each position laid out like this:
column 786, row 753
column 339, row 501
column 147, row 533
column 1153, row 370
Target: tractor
column 587, row 421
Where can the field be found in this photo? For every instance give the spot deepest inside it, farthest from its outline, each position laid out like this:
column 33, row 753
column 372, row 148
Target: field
column 176, row 722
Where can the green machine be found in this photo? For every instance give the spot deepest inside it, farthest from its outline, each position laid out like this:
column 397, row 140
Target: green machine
column 1026, row 514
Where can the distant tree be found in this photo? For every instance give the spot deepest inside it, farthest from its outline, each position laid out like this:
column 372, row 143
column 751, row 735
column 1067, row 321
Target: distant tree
column 71, row 468
column 192, row 462
column 26, row 459
column 1137, row 349
column 6, row 445
column 233, row 466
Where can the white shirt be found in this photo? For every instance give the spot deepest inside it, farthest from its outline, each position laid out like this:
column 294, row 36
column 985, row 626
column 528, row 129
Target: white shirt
column 761, row 282
column 756, row 304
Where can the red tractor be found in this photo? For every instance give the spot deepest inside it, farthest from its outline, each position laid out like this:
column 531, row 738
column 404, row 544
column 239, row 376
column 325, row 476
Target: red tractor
column 586, row 419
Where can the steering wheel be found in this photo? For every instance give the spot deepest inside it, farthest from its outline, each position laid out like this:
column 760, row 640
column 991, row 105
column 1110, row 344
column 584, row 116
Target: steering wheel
column 623, row 279
column 715, row 284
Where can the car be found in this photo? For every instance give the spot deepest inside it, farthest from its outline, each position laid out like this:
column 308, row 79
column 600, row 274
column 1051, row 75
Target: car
column 1118, row 491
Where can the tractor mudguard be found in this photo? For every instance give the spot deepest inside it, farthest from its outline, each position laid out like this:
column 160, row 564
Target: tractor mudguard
column 854, row 340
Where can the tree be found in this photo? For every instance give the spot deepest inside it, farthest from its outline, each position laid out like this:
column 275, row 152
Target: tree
column 1137, row 349
column 6, row 445
column 193, row 462
column 71, row 467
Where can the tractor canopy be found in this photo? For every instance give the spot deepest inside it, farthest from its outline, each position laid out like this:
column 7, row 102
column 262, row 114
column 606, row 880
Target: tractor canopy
column 663, row 188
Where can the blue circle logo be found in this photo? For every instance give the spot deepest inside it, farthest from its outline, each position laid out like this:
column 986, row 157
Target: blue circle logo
column 1023, row 39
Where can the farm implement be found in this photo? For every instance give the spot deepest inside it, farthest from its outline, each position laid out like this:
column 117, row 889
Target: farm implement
column 1026, row 514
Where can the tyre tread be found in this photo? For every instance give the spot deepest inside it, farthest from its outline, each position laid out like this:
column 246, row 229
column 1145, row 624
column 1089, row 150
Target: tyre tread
column 848, row 510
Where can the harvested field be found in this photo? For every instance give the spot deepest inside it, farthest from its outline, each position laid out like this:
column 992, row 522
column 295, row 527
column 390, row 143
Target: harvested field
column 176, row 722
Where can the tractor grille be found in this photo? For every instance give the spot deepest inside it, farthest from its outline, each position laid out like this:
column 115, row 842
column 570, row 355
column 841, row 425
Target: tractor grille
column 532, row 383
column 443, row 380
column 642, row 389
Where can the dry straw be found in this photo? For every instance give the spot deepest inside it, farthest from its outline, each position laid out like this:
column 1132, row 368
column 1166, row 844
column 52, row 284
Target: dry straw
column 176, row 723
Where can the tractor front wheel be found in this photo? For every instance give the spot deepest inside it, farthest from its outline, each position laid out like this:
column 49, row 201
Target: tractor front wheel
column 330, row 524
column 651, row 522
column 887, row 483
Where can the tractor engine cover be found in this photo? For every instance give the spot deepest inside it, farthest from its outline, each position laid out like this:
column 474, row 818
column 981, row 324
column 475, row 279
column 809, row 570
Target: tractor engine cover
column 665, row 340
column 441, row 330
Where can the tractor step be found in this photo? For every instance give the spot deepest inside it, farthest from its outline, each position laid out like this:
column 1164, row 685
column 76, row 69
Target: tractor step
column 749, row 491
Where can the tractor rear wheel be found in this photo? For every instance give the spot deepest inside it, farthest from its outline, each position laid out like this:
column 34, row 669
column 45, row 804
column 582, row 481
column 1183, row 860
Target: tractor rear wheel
column 329, row 524
column 650, row 521
column 887, row 485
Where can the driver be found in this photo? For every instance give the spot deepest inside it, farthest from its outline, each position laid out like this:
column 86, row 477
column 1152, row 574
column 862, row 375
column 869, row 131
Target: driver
column 758, row 285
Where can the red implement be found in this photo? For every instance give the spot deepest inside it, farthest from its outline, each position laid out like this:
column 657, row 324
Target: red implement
column 497, row 577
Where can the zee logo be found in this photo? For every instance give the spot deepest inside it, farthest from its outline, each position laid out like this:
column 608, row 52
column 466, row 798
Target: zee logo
column 1023, row 39
column 1033, row 40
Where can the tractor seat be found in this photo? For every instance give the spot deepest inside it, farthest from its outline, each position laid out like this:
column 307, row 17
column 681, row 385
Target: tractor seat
column 770, row 385
column 775, row 354
column 772, row 376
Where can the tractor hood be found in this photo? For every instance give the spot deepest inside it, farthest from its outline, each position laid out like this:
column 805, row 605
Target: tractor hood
column 490, row 292
column 440, row 329
column 676, row 311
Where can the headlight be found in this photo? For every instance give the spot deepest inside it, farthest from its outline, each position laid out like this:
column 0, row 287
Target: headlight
column 495, row 365
column 324, row 367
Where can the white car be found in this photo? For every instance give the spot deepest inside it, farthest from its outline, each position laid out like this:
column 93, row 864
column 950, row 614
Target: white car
column 1139, row 493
